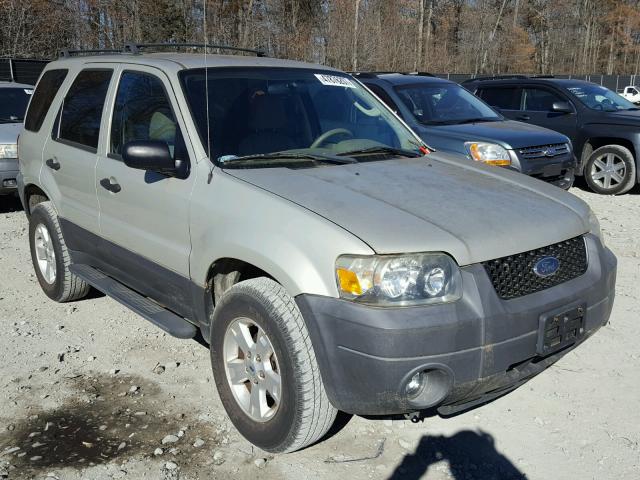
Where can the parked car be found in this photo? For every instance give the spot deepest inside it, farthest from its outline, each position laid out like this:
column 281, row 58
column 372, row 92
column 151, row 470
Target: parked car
column 14, row 98
column 603, row 127
column 450, row 119
column 632, row 94
column 284, row 212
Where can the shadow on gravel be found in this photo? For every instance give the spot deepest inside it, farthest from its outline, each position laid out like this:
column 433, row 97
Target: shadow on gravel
column 470, row 455
column 111, row 417
column 10, row 203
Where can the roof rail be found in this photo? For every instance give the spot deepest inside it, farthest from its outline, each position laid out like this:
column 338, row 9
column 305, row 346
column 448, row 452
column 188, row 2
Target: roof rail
column 135, row 48
column 66, row 53
column 375, row 74
column 496, row 77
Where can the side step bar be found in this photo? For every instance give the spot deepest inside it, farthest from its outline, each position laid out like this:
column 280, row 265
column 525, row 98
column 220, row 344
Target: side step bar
column 161, row 317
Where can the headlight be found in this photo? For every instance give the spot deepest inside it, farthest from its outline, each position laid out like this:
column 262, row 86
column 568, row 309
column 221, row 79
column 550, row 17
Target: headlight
column 489, row 153
column 399, row 279
column 594, row 227
column 8, row 150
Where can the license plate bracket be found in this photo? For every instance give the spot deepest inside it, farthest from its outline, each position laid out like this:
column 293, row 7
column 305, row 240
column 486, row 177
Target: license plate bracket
column 560, row 329
column 553, row 170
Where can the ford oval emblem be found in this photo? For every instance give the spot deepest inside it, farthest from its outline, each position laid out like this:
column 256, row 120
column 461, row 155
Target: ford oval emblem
column 546, row 266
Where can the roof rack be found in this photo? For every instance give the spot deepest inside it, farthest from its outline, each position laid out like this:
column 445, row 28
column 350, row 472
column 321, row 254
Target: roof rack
column 135, row 48
column 66, row 53
column 506, row 77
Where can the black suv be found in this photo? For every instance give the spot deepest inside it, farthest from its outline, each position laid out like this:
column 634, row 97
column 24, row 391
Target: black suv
column 603, row 127
column 450, row 119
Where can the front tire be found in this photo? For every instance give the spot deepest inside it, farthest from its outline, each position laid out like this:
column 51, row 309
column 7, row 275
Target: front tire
column 610, row 170
column 265, row 368
column 50, row 256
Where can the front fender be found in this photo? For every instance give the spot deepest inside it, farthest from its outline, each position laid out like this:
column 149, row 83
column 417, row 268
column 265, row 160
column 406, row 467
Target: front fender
column 233, row 219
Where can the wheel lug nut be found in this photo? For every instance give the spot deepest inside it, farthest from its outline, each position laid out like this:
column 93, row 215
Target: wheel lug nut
column 248, row 354
column 257, row 358
column 261, row 374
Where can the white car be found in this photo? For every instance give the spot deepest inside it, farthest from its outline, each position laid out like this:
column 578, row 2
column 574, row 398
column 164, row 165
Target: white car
column 632, row 94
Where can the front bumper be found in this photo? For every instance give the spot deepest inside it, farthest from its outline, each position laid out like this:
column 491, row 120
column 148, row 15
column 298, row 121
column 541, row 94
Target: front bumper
column 479, row 347
column 559, row 171
column 8, row 175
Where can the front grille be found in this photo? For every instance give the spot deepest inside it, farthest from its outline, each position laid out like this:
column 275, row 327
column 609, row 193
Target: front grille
column 513, row 276
column 544, row 151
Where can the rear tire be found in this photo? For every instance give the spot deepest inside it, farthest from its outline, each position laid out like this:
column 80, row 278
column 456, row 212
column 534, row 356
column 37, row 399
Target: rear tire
column 302, row 414
column 50, row 256
column 610, row 170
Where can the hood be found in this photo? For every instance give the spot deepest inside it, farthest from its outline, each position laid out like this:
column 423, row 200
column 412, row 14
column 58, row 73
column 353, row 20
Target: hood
column 9, row 132
column 510, row 134
column 440, row 202
column 623, row 117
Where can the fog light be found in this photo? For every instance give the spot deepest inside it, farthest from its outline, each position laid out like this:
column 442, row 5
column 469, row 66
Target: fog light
column 415, row 385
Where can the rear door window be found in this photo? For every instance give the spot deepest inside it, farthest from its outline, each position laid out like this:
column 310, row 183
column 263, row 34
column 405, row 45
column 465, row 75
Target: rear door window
column 540, row 99
column 81, row 114
column 504, row 98
column 44, row 94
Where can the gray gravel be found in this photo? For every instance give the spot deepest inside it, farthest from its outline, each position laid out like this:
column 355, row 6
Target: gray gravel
column 578, row 420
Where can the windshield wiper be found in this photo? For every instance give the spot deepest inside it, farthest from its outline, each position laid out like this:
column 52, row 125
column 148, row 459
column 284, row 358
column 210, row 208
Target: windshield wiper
column 315, row 157
column 382, row 149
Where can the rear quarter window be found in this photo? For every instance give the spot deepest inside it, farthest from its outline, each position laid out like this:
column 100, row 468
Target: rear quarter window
column 81, row 114
column 504, row 98
column 44, row 94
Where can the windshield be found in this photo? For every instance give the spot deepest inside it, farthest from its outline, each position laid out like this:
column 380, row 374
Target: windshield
column 601, row 98
column 13, row 104
column 291, row 113
column 442, row 104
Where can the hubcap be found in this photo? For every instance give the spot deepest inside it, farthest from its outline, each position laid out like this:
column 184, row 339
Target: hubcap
column 45, row 254
column 252, row 369
column 608, row 170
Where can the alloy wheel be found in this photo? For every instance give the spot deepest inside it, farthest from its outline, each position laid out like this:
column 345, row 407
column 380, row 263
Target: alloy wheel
column 608, row 171
column 252, row 369
column 45, row 254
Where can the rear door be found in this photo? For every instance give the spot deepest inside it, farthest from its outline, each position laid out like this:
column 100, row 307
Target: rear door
column 71, row 150
column 537, row 108
column 507, row 99
column 145, row 218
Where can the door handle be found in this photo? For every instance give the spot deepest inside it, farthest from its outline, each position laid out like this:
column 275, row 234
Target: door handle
column 524, row 117
column 53, row 164
column 107, row 184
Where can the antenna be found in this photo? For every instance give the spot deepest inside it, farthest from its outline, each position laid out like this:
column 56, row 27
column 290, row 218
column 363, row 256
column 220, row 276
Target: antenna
column 206, row 89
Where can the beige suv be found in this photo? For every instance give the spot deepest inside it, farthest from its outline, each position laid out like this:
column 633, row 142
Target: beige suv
column 282, row 210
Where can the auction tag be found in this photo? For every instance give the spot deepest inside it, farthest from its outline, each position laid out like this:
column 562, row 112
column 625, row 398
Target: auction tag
column 334, row 80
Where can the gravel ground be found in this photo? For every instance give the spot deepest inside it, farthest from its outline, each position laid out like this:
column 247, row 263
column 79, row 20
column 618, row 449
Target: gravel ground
column 89, row 390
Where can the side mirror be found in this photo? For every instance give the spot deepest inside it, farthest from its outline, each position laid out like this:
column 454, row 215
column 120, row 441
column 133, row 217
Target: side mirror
column 149, row 155
column 561, row 107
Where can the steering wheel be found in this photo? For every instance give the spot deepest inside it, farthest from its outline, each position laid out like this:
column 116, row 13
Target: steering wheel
column 331, row 133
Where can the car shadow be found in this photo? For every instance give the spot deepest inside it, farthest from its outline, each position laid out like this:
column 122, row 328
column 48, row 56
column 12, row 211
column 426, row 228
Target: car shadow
column 581, row 184
column 10, row 203
column 470, row 455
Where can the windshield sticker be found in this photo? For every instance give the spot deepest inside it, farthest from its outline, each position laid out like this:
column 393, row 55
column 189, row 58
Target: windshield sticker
column 334, row 80
column 28, row 91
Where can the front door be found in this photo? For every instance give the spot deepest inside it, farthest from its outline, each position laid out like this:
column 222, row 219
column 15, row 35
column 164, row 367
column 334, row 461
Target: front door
column 144, row 215
column 537, row 108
